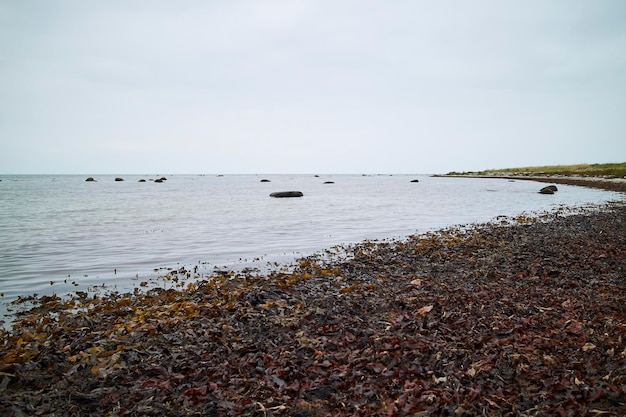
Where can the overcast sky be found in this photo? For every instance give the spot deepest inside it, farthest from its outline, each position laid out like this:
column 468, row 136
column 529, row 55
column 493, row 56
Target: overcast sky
column 325, row 86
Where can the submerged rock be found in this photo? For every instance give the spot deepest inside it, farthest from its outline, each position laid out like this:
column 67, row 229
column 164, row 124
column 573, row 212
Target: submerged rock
column 282, row 194
column 265, row 180
column 415, row 180
column 90, row 179
column 119, row 179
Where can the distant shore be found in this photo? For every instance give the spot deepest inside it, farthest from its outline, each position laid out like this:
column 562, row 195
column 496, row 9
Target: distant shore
column 607, row 176
column 521, row 316
column 611, row 183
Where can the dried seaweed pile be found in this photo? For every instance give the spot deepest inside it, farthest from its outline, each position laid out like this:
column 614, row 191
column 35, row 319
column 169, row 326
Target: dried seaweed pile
column 525, row 319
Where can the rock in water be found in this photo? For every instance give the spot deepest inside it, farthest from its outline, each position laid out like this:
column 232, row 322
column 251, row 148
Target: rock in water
column 547, row 190
column 282, row 194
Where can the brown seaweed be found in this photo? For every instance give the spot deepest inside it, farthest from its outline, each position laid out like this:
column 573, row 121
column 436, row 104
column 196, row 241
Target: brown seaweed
column 512, row 319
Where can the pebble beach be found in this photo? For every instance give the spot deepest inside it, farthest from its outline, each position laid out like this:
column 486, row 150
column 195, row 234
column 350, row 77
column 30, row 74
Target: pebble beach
column 522, row 317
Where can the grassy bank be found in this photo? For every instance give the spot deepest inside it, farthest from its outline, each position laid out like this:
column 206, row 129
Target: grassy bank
column 592, row 170
column 604, row 176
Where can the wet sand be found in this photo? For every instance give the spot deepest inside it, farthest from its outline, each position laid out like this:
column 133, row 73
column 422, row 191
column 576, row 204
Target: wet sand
column 522, row 317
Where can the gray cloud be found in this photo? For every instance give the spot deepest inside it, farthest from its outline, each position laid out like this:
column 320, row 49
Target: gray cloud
column 309, row 86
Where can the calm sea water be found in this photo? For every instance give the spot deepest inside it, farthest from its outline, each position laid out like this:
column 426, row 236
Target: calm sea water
column 83, row 234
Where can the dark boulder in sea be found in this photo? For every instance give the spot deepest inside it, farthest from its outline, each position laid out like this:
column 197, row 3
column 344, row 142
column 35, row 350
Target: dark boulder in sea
column 141, row 180
column 159, row 180
column 119, row 179
column 329, row 182
column 90, row 179
column 415, row 180
column 163, row 179
column 282, row 194
column 550, row 189
column 265, row 180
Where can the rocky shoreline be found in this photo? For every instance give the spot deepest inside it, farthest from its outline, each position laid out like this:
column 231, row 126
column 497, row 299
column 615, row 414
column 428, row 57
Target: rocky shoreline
column 521, row 317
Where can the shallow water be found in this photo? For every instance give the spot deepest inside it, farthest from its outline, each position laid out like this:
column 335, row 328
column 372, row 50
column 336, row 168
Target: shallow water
column 82, row 234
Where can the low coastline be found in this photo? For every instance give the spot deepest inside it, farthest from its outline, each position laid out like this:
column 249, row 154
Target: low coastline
column 522, row 318
column 611, row 183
